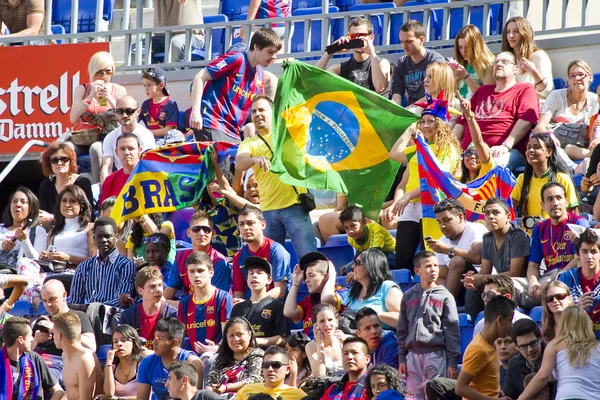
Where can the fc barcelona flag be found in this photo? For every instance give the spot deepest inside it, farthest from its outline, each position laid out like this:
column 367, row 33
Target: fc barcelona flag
column 332, row 134
column 437, row 184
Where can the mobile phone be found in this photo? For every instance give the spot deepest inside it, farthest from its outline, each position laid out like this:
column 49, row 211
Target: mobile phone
column 426, row 238
column 28, row 223
column 51, row 249
column 452, row 61
column 350, row 44
column 138, row 259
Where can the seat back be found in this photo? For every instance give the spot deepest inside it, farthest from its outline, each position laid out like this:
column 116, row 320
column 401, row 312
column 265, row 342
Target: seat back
column 315, row 30
column 233, row 8
column 435, row 32
column 218, row 38
column 61, row 14
column 536, row 314
column 338, row 255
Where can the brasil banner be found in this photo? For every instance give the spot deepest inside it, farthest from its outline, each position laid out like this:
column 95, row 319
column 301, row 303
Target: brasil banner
column 329, row 133
column 437, row 184
column 166, row 179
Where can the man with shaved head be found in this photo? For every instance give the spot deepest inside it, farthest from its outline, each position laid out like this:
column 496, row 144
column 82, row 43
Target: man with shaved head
column 128, row 112
column 54, row 297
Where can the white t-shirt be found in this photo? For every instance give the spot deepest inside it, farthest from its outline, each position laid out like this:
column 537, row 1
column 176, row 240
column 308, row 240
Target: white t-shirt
column 109, row 144
column 473, row 233
column 556, row 106
column 72, row 239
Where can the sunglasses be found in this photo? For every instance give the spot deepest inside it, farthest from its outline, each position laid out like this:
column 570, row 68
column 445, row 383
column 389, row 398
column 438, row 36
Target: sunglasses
column 203, row 228
column 558, row 296
column 105, row 72
column 531, row 344
column 488, row 295
column 128, row 111
column 503, row 62
column 470, row 153
column 272, row 364
column 358, row 261
column 154, row 240
column 56, row 160
column 358, row 35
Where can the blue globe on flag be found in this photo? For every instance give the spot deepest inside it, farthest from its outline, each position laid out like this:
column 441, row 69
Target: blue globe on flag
column 333, row 132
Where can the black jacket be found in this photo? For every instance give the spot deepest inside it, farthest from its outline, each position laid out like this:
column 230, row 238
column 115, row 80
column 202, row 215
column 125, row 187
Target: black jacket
column 518, row 369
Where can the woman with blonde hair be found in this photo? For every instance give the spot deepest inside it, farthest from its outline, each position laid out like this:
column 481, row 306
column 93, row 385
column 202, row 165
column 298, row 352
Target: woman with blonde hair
column 473, row 66
column 573, row 359
column 535, row 65
column 93, row 98
column 406, row 205
column 556, row 297
column 569, row 110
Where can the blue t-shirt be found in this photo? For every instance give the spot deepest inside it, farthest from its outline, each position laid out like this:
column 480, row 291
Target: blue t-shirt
column 376, row 301
column 153, row 372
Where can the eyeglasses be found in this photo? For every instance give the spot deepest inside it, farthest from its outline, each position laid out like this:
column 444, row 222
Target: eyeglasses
column 470, row 153
column 128, row 111
column 104, row 72
column 154, row 240
column 358, row 35
column 488, row 295
column 531, row 344
column 272, row 364
column 578, row 76
column 203, row 228
column 503, row 61
column 558, row 296
column 56, row 160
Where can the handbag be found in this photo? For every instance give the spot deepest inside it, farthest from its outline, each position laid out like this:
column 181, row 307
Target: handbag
column 307, row 200
column 573, row 134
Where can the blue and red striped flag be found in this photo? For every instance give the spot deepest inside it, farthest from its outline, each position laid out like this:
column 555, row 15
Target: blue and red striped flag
column 437, row 184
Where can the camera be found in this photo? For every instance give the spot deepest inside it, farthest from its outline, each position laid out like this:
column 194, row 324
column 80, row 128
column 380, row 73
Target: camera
column 530, row 222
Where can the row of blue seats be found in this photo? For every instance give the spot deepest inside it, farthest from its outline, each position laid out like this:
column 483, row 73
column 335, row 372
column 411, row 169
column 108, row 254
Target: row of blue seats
column 61, row 14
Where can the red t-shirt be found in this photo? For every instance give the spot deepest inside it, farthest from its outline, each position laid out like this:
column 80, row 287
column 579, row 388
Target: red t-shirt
column 588, row 285
column 497, row 113
column 148, row 323
column 112, row 185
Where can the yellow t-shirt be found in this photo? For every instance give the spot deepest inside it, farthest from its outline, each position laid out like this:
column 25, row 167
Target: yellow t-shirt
column 481, row 361
column 375, row 236
column 288, row 393
column 448, row 160
column 274, row 194
column 534, row 201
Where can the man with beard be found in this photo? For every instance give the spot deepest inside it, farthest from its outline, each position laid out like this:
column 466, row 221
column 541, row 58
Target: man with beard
column 505, row 112
column 251, row 225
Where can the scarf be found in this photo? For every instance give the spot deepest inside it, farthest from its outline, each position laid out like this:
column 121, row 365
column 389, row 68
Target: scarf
column 30, row 383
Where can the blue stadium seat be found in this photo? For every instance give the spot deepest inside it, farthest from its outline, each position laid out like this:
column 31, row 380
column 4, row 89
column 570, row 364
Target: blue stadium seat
column 307, row 4
column 497, row 22
column 392, row 232
column 84, row 163
column 536, row 314
column 464, row 319
column 58, row 30
column 41, row 310
column 337, row 240
column 456, row 20
column 182, row 244
column 61, row 14
column 102, row 352
column 344, row 5
column 338, row 255
column 376, row 19
column 181, row 222
column 341, row 281
column 233, row 8
column 218, row 37
column 595, row 83
column 559, row 83
column 21, row 308
column 316, row 26
column 401, row 275
column 479, row 317
column 466, row 331
column 435, row 32
column 290, row 249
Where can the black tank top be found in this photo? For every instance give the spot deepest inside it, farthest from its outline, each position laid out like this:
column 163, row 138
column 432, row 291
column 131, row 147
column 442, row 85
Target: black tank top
column 358, row 72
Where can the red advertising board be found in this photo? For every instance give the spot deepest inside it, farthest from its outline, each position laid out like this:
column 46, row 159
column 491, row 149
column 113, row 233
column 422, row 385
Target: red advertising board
column 36, row 90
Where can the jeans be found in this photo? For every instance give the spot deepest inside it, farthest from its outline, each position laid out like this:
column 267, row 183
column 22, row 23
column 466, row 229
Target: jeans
column 296, row 222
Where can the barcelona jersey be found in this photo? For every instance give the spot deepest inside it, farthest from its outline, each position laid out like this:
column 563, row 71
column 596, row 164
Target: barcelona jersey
column 159, row 115
column 227, row 98
column 203, row 320
column 274, row 9
column 178, row 277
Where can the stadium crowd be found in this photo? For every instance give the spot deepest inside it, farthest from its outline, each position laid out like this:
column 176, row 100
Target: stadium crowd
column 230, row 317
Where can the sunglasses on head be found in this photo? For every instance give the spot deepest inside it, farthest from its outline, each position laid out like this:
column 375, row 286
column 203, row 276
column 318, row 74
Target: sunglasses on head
column 558, row 296
column 357, row 35
column 272, row 364
column 128, row 111
column 154, row 240
column 470, row 153
column 56, row 160
column 203, row 228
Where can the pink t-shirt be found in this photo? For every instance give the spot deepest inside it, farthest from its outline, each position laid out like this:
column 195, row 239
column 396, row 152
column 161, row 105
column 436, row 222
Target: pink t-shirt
column 497, row 113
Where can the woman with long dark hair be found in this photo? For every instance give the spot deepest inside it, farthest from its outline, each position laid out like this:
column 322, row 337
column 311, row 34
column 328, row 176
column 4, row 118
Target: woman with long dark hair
column 122, row 362
column 374, row 287
column 239, row 359
column 325, row 351
column 299, row 363
column 543, row 165
column 381, row 378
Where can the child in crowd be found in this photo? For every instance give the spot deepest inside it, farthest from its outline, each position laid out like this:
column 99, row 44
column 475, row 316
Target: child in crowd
column 160, row 112
column 363, row 235
column 144, row 317
column 206, row 310
column 316, row 270
column 428, row 346
column 264, row 313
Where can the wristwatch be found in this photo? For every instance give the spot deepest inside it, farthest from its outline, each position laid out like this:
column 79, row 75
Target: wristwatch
column 451, row 252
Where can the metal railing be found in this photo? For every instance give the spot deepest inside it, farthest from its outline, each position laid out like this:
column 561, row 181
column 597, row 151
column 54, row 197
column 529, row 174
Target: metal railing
column 141, row 37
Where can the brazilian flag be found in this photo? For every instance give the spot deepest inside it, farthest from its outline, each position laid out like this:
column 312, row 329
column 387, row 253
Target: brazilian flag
column 329, row 133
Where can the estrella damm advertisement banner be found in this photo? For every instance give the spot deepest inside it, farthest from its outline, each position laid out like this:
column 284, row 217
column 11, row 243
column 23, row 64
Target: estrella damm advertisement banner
column 165, row 179
column 36, row 90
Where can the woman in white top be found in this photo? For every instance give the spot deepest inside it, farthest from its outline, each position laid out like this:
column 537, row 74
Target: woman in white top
column 325, row 352
column 70, row 237
column 535, row 65
column 572, row 105
column 573, row 358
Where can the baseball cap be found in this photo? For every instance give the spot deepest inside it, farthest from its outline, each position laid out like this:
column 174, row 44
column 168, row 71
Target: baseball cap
column 158, row 75
column 257, row 262
column 310, row 257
